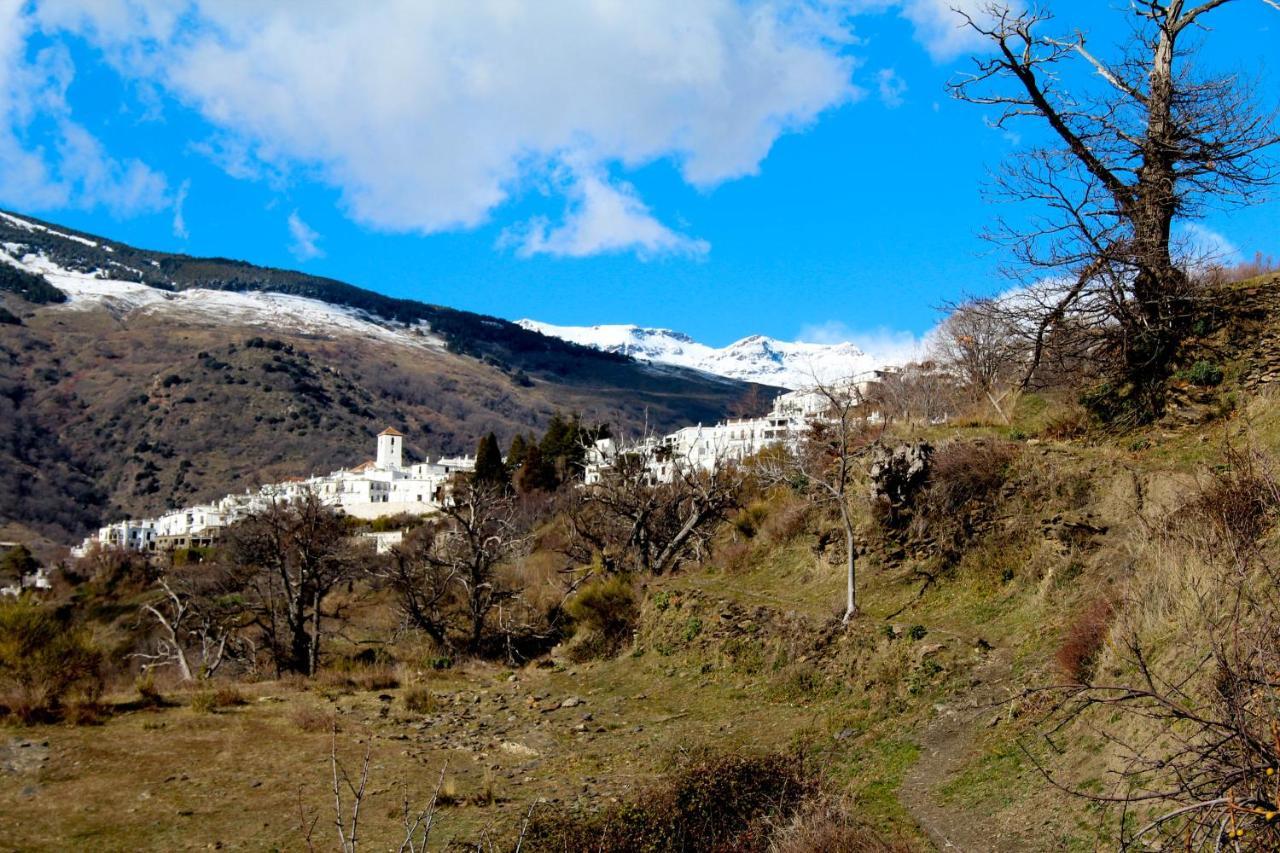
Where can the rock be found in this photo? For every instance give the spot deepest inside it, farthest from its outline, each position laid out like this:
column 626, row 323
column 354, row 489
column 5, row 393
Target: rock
column 580, row 727
column 571, row 702
column 519, row 750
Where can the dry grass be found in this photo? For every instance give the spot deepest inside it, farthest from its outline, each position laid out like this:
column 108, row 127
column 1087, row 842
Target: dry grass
column 418, row 699
column 313, row 718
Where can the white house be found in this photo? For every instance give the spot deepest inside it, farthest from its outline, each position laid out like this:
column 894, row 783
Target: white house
column 379, row 487
column 704, row 447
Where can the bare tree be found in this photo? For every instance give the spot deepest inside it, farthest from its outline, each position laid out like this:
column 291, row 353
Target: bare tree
column 981, row 347
column 423, row 583
column 651, row 507
column 196, row 628
column 284, row 561
column 827, row 462
column 1148, row 142
column 918, row 392
column 479, row 532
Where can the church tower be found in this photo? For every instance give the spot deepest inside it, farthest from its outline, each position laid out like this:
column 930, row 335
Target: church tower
column 390, row 445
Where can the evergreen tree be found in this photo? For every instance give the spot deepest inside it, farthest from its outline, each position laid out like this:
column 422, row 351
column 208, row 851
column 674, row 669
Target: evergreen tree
column 515, row 456
column 17, row 563
column 537, row 474
column 490, row 471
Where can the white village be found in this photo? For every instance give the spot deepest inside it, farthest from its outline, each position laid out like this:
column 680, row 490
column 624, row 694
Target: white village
column 385, row 486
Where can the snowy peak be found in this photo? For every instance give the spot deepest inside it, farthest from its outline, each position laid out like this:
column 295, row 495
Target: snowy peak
column 756, row 358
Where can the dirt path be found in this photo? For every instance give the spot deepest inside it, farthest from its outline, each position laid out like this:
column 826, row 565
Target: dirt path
column 945, row 746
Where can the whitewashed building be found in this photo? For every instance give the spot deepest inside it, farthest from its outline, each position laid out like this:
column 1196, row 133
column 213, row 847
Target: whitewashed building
column 704, row 447
column 380, row 487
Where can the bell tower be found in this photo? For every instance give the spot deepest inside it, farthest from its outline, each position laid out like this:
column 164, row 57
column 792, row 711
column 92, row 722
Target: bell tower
column 390, row 447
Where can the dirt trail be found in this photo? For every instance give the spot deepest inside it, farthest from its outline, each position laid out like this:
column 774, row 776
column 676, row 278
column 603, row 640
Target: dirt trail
column 945, row 746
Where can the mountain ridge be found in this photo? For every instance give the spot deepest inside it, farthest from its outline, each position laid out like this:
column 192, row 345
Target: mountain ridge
column 755, row 358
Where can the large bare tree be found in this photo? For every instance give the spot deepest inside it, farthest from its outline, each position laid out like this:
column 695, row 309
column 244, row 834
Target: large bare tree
column 1129, row 145
column 283, row 562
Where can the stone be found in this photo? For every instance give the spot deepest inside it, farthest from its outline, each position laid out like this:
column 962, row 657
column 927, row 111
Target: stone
column 571, row 702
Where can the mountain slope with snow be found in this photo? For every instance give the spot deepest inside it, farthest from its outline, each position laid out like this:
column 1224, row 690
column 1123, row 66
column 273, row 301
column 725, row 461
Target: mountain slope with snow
column 753, row 359
column 132, row 380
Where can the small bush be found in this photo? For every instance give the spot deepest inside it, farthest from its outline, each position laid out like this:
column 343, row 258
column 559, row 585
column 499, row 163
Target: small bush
column 375, row 678
column 750, row 518
column 735, row 556
column 149, row 694
column 718, row 803
column 786, row 523
column 824, row 826
column 44, row 660
column 210, row 699
column 419, row 700
column 603, row 613
column 1205, row 374
column 312, row 718
column 203, row 702
column 1238, row 504
column 1084, row 639
column 1064, row 426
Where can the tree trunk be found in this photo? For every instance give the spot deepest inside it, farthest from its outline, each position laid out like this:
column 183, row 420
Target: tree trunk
column 850, row 548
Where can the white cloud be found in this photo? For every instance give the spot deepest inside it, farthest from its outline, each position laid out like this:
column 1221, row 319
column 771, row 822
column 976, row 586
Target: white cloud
column 602, row 217
column 1203, row 246
column 303, row 246
column 884, row 345
column 428, row 116
column 938, row 25
column 892, row 87
column 47, row 159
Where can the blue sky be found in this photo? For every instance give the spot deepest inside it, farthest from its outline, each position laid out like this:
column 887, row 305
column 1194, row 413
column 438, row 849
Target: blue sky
column 723, row 168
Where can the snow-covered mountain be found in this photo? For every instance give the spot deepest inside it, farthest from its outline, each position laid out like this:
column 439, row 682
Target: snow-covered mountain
column 123, row 298
column 752, row 359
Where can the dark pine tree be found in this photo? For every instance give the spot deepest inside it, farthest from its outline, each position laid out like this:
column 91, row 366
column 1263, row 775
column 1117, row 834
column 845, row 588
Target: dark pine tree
column 537, row 474
column 490, row 470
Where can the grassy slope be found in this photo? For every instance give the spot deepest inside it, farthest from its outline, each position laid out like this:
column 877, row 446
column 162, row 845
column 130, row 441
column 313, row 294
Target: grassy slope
column 926, row 736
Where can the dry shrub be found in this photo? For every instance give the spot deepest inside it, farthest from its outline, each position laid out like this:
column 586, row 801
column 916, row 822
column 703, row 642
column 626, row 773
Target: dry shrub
column 375, row 678
column 1238, row 504
column 786, row 522
column 714, row 803
column 826, row 826
column 749, row 519
column 313, row 718
column 1066, row 425
column 419, row 700
column 211, row 699
column 735, row 556
column 203, row 702
column 1084, row 639
column 963, row 472
column 603, row 613
column 358, row 677
column 149, row 695
column 44, row 660
column 964, row 482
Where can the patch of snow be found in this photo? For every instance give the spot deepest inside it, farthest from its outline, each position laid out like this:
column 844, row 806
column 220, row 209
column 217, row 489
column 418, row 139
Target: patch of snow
column 252, row 308
column 753, row 359
column 32, row 226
